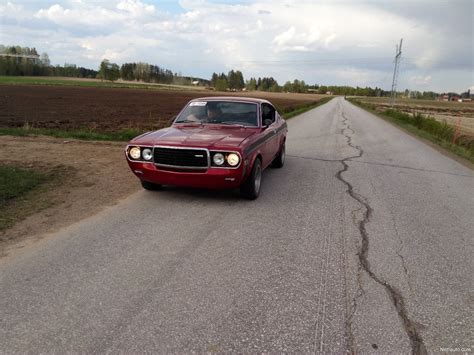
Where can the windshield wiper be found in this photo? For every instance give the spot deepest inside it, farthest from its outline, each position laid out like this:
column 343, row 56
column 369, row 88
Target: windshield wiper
column 231, row 123
column 190, row 121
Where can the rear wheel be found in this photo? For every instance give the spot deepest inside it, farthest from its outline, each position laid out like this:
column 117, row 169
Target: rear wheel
column 280, row 158
column 250, row 189
column 151, row 186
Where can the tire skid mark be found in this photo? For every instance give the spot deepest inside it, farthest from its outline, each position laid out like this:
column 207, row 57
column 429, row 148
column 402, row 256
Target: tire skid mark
column 416, row 341
column 319, row 331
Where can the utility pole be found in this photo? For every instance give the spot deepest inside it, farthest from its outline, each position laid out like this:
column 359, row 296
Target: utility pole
column 398, row 55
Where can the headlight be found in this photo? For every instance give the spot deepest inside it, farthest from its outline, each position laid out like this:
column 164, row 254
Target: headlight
column 147, row 154
column 233, row 159
column 134, row 153
column 218, row 159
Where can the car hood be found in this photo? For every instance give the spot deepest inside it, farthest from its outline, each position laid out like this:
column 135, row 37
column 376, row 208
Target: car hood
column 209, row 136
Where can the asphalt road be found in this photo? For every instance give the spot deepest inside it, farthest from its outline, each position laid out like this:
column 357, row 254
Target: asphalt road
column 362, row 242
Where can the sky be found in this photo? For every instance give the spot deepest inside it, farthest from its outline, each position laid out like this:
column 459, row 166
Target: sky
column 328, row 42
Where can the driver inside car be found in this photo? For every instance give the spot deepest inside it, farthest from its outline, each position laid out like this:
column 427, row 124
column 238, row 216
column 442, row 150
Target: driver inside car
column 212, row 114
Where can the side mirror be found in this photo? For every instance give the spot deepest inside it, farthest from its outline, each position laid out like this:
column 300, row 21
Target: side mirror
column 267, row 122
column 171, row 120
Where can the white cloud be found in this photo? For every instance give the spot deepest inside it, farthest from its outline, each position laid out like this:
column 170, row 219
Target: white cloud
column 421, row 80
column 136, row 8
column 317, row 41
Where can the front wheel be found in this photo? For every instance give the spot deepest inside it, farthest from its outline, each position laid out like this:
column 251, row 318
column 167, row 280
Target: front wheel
column 250, row 189
column 151, row 186
column 280, row 158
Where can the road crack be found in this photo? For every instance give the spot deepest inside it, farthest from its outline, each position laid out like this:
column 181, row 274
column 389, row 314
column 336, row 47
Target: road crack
column 416, row 341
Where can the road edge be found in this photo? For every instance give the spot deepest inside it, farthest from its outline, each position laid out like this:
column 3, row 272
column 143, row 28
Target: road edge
column 447, row 153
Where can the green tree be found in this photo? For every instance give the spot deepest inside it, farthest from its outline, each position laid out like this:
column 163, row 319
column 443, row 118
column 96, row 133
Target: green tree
column 222, row 84
column 109, row 71
column 251, row 84
column 239, row 80
column 214, row 79
column 275, row 87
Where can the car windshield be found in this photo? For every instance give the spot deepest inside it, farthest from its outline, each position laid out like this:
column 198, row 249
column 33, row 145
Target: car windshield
column 221, row 112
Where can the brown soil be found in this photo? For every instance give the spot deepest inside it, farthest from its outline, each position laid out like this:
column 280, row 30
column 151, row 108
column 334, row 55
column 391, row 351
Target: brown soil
column 97, row 176
column 107, row 109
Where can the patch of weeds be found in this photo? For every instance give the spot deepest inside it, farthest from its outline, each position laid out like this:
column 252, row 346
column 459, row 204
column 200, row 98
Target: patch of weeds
column 22, row 189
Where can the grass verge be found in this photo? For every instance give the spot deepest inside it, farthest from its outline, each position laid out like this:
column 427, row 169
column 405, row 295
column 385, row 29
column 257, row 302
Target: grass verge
column 295, row 111
column 428, row 128
column 124, row 134
column 20, row 80
column 83, row 134
column 21, row 191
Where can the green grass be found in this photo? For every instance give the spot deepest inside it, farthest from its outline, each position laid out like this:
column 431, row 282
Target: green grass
column 421, row 103
column 20, row 191
column 29, row 80
column 428, row 128
column 83, row 134
column 303, row 108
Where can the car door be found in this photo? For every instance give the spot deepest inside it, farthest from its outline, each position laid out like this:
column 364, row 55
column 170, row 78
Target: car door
column 268, row 116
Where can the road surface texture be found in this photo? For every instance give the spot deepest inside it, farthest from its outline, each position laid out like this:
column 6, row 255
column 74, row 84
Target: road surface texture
column 362, row 243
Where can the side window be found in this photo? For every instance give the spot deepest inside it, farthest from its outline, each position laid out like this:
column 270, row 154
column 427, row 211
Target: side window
column 268, row 114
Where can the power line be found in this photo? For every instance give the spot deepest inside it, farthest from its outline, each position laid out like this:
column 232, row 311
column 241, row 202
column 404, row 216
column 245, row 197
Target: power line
column 398, row 54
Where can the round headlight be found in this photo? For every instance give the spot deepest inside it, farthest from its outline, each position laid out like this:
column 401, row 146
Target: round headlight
column 134, row 153
column 146, row 154
column 218, row 159
column 233, row 159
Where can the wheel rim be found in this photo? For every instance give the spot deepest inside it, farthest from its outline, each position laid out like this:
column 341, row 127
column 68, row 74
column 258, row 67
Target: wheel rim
column 258, row 178
column 283, row 154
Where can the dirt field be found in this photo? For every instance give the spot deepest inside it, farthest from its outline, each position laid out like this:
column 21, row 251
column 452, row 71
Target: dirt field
column 450, row 112
column 107, row 109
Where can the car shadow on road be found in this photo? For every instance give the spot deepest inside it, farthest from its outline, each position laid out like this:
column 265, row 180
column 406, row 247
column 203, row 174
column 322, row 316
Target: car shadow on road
column 183, row 193
column 175, row 192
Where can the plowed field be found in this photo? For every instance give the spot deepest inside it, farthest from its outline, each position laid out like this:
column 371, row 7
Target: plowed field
column 107, row 109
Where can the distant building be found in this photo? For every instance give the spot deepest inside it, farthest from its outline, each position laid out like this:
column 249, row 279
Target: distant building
column 34, row 58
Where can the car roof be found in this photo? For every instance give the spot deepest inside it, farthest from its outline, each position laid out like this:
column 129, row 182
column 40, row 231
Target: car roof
column 232, row 98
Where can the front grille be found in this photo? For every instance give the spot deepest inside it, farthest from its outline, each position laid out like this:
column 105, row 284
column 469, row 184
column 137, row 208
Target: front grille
column 182, row 158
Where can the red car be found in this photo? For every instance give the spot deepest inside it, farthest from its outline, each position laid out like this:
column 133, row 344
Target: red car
column 215, row 143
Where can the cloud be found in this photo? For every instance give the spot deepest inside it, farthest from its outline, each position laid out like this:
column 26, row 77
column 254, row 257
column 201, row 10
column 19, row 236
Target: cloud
column 317, row 41
column 421, row 80
column 136, row 8
column 299, row 41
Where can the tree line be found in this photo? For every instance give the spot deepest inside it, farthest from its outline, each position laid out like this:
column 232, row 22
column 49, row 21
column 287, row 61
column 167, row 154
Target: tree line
column 234, row 81
column 26, row 61
column 154, row 74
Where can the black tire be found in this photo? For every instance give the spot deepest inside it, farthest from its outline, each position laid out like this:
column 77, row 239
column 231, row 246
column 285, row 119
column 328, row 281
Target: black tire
column 280, row 158
column 151, row 186
column 250, row 189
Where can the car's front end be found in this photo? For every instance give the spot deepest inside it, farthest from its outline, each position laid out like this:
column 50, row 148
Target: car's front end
column 183, row 165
